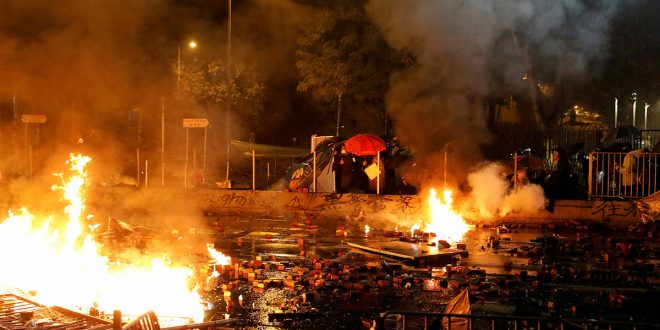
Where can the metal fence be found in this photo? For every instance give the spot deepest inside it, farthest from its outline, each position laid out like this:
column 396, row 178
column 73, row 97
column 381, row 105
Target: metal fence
column 428, row 320
column 630, row 175
column 648, row 138
column 542, row 143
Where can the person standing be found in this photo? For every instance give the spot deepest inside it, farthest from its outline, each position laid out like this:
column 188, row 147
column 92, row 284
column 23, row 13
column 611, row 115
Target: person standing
column 631, row 171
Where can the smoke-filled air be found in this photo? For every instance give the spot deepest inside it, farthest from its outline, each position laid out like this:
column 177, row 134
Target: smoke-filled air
column 463, row 51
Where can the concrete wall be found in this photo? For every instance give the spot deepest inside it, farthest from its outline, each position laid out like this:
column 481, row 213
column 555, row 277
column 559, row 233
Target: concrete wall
column 393, row 208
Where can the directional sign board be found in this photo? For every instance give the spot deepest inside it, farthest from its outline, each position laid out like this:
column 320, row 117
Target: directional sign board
column 195, row 122
column 33, row 119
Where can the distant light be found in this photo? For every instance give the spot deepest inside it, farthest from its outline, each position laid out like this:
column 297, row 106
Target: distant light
column 192, row 44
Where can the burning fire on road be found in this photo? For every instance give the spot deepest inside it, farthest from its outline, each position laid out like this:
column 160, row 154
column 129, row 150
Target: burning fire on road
column 56, row 258
column 445, row 222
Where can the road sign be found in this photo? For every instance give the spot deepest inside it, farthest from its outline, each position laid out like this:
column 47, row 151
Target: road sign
column 195, row 122
column 33, row 119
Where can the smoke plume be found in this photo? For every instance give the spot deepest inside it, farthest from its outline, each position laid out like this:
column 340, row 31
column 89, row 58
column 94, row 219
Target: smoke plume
column 463, row 51
column 492, row 194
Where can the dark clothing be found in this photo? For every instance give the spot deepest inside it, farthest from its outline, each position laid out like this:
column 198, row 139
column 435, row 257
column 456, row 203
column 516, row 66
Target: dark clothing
column 359, row 180
column 343, row 167
column 560, row 182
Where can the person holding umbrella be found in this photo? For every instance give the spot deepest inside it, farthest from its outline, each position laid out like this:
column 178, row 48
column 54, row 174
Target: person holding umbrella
column 367, row 145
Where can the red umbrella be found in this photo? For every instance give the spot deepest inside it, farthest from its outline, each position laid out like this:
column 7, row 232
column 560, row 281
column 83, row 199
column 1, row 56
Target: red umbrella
column 364, row 144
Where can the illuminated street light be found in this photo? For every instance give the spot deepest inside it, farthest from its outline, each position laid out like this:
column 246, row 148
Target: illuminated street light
column 192, row 45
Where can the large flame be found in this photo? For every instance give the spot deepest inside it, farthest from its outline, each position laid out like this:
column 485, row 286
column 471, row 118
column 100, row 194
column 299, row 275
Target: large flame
column 64, row 267
column 218, row 257
column 446, row 223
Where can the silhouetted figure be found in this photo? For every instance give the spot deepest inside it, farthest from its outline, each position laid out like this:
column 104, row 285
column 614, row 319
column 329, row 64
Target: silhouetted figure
column 359, row 181
column 559, row 183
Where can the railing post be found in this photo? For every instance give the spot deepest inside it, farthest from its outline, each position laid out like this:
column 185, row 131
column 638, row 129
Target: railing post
column 116, row 320
column 589, row 184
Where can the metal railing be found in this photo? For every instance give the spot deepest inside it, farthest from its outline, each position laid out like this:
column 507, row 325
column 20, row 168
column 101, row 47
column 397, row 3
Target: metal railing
column 542, row 143
column 623, row 175
column 648, row 138
column 428, row 320
column 146, row 321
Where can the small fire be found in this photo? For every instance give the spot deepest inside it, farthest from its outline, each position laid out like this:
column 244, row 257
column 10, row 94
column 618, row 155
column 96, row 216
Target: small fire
column 219, row 258
column 62, row 264
column 414, row 228
column 367, row 229
column 445, row 222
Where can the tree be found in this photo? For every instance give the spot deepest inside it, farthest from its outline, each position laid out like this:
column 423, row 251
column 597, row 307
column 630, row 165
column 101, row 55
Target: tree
column 207, row 84
column 345, row 54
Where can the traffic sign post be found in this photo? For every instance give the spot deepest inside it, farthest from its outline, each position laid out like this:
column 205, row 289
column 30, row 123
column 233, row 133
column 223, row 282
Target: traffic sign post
column 189, row 123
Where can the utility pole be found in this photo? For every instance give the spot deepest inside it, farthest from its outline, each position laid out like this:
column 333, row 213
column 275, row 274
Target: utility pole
column 228, row 112
column 339, row 115
column 162, row 142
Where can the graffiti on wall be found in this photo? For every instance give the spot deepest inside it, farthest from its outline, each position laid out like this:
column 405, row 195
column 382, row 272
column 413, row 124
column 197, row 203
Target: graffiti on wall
column 606, row 209
column 320, row 202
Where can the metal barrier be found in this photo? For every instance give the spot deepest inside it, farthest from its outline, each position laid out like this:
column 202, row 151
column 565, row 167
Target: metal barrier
column 623, row 175
column 146, row 321
column 543, row 142
column 427, row 320
column 648, row 139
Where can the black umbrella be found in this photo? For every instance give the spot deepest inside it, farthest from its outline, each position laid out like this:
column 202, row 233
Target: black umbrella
column 623, row 133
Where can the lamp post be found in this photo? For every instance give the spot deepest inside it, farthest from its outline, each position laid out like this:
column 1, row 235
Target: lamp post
column 634, row 107
column 228, row 113
column 192, row 45
column 646, row 113
column 339, row 114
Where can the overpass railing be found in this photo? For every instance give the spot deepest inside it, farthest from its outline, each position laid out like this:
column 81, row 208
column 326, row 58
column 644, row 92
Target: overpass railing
column 631, row 175
column 428, row 320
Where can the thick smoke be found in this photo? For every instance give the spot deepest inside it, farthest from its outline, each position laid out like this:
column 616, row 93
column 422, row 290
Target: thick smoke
column 489, row 189
column 463, row 51
column 492, row 194
column 86, row 65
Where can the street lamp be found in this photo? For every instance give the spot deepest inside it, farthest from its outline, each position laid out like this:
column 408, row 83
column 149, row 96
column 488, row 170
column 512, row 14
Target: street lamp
column 228, row 112
column 192, row 44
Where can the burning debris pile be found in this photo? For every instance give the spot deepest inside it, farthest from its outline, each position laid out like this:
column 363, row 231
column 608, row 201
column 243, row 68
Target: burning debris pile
column 64, row 262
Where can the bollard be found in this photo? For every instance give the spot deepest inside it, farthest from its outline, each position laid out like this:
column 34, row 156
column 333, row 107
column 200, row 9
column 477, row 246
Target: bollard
column 116, row 320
